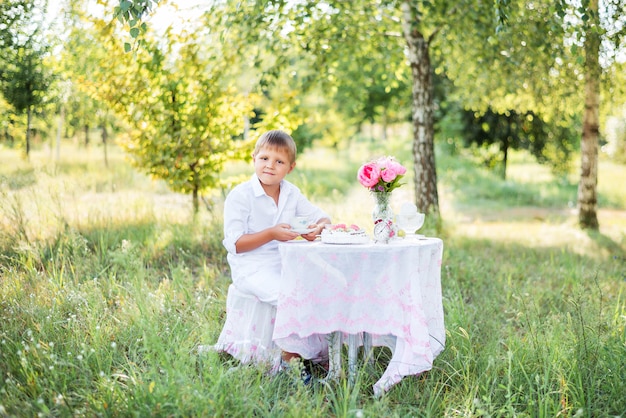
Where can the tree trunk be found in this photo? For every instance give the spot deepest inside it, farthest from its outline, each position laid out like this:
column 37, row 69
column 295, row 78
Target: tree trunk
column 105, row 136
column 195, row 200
column 505, row 153
column 86, row 128
column 59, row 131
column 425, row 185
column 385, row 125
column 587, row 186
column 28, row 123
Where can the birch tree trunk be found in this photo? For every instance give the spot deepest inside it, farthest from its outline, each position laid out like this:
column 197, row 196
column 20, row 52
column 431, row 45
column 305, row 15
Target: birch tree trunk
column 587, row 186
column 426, row 197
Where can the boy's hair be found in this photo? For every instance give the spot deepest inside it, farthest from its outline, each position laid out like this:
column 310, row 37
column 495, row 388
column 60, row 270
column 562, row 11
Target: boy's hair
column 277, row 139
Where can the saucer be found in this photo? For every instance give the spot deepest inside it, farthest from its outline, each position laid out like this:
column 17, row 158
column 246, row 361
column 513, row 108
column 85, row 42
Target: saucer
column 303, row 231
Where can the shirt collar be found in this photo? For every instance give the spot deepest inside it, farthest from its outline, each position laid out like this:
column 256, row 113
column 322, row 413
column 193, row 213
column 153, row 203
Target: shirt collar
column 256, row 186
column 258, row 189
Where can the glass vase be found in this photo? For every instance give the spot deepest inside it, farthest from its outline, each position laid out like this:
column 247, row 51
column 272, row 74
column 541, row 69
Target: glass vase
column 382, row 209
column 384, row 227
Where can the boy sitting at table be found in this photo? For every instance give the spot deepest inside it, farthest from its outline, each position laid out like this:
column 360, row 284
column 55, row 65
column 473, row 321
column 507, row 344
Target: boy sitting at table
column 256, row 216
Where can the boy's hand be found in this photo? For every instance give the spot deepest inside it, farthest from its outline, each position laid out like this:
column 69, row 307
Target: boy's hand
column 316, row 230
column 283, row 232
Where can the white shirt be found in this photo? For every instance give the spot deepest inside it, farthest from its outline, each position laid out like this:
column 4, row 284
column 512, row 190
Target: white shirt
column 248, row 209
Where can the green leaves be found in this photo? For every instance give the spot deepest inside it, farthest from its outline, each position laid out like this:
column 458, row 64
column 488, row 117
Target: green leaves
column 185, row 116
column 502, row 10
column 24, row 77
column 125, row 6
column 131, row 13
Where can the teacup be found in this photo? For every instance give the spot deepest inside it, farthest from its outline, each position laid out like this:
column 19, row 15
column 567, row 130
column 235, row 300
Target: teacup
column 409, row 219
column 299, row 223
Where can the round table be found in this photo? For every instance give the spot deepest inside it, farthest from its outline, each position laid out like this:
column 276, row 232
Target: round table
column 389, row 292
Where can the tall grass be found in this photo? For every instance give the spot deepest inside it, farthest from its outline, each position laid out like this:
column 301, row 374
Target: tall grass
column 108, row 284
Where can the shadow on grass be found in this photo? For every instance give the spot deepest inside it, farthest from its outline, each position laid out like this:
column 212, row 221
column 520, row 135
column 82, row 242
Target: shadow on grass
column 497, row 281
column 20, row 178
column 95, row 250
column 162, row 248
column 607, row 243
column 475, row 186
column 538, row 306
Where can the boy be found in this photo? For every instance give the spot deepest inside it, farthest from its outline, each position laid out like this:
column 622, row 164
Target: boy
column 256, row 218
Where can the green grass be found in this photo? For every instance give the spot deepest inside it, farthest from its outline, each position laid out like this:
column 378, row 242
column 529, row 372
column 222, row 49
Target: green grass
column 108, row 283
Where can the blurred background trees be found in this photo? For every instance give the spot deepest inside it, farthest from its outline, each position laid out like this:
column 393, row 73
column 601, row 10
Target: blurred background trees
column 24, row 76
column 185, row 100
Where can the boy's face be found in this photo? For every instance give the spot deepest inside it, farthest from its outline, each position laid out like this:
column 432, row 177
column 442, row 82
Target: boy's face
column 272, row 165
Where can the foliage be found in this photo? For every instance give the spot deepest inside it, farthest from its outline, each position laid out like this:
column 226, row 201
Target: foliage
column 177, row 94
column 187, row 134
column 132, row 12
column 75, row 63
column 319, row 70
column 511, row 74
column 103, row 308
column 315, row 33
column 548, row 142
column 360, row 51
column 24, row 79
column 514, row 66
column 589, row 39
column 8, row 130
column 517, row 68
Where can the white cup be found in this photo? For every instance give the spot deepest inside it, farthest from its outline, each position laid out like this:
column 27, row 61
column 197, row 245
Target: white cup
column 409, row 219
column 299, row 223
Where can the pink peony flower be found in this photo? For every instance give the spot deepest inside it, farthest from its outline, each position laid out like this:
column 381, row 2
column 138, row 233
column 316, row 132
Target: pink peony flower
column 388, row 174
column 381, row 175
column 369, row 174
column 397, row 167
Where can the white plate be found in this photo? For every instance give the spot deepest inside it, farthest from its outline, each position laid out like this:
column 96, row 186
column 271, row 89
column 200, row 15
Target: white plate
column 345, row 240
column 303, row 231
column 345, row 243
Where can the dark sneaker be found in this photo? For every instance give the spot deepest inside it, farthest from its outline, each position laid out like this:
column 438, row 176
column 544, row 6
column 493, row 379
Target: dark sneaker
column 297, row 367
column 306, row 376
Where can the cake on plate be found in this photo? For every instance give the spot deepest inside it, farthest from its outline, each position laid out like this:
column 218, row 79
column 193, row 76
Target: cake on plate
column 344, row 234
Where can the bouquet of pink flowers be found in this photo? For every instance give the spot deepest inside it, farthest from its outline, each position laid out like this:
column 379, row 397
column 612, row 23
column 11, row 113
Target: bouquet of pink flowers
column 381, row 175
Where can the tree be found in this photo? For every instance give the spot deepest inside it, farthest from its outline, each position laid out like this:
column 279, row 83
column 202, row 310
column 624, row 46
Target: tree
column 470, row 51
column 550, row 53
column 24, row 78
column 591, row 29
column 188, row 133
column 548, row 143
column 373, row 33
column 597, row 26
column 422, row 117
column 176, row 94
column 309, row 21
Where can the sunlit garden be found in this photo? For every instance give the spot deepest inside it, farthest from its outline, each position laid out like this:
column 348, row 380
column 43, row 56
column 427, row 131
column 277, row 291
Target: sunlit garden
column 124, row 124
column 109, row 283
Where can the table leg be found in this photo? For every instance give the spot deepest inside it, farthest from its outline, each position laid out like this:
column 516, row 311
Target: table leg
column 352, row 356
column 367, row 348
column 334, row 356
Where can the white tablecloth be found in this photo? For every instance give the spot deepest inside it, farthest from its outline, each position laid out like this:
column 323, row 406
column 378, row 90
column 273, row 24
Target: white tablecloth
column 391, row 291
